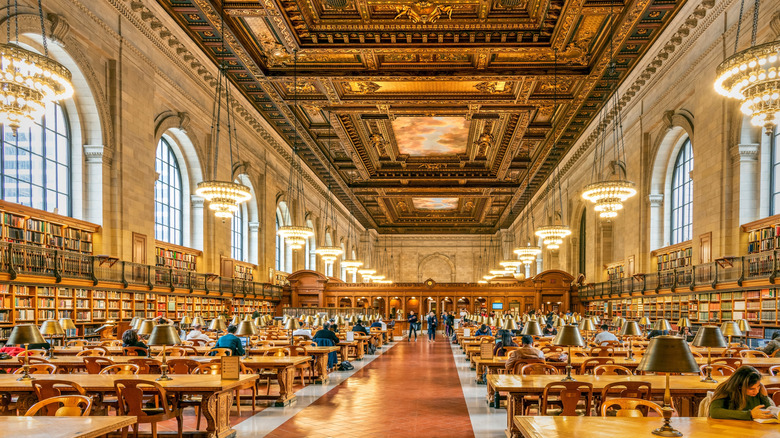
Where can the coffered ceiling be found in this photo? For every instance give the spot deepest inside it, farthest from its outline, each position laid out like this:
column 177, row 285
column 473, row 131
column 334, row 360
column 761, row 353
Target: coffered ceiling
column 428, row 117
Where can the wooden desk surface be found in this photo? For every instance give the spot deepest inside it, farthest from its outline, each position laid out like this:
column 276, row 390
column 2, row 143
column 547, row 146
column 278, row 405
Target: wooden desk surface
column 597, row 427
column 105, row 382
column 757, row 362
column 71, row 427
column 73, row 361
column 536, row 383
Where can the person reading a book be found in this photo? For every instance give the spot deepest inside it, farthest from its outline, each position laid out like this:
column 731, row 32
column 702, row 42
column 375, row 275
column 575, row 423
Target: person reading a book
column 742, row 397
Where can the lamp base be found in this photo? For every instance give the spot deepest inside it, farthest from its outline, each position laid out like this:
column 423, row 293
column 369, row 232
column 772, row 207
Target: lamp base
column 24, row 378
column 164, row 378
column 667, row 430
column 709, row 379
column 568, row 379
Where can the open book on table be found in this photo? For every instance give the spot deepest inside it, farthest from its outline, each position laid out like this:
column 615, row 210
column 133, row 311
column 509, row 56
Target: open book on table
column 775, row 411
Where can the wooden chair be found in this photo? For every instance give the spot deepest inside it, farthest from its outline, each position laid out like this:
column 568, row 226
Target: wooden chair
column 568, row 395
column 277, row 351
column 134, row 351
column 552, row 349
column 254, row 389
column 219, row 351
column 612, row 344
column 122, row 369
column 733, row 362
column 629, row 407
column 773, row 370
column 696, row 354
column 131, row 402
column 48, row 388
column 91, row 352
column 519, row 364
column 752, row 353
column 776, row 353
column 198, row 342
column 38, row 368
column 189, row 350
column 306, row 344
column 182, row 366
column 602, row 352
column 96, row 347
column 611, row 370
column 146, row 365
column 208, row 368
column 71, row 406
column 579, row 354
column 111, row 343
column 717, row 369
column 32, row 353
column 174, row 352
column 76, row 343
column 589, row 364
column 34, row 360
column 538, row 369
column 302, row 368
column 731, row 352
column 773, row 390
column 94, row 364
column 626, row 389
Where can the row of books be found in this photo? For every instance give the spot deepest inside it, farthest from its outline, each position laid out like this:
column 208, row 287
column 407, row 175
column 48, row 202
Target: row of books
column 675, row 259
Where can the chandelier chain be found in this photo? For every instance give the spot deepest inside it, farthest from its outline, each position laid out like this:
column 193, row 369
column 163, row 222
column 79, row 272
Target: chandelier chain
column 739, row 25
column 755, row 23
column 43, row 30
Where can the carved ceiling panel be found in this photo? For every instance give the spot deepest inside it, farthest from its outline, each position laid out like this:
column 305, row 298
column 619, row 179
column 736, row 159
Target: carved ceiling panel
column 459, row 103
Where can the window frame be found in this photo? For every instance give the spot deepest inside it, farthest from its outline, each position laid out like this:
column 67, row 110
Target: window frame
column 774, row 166
column 237, row 235
column 178, row 239
column 681, row 195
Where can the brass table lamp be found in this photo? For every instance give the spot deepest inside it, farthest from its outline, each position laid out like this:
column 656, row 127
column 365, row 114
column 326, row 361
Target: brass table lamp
column 146, row 327
column 164, row 334
column 532, row 328
column 630, row 329
column 317, row 321
column 67, row 324
column 586, row 326
column 568, row 336
column 509, row 324
column 198, row 320
column 246, row 328
column 744, row 327
column 618, row 321
column 134, row 320
column 25, row 334
column 217, row 325
column 709, row 336
column 186, row 322
column 235, row 320
column 308, row 321
column 730, row 328
column 292, row 324
column 52, row 328
column 662, row 325
column 668, row 354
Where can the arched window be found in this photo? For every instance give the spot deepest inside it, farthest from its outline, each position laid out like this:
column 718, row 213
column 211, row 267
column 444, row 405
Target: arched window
column 682, row 195
column 237, row 234
column 774, row 175
column 36, row 163
column 168, row 196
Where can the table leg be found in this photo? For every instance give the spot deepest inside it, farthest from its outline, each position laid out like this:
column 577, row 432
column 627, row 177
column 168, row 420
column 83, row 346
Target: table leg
column 216, row 409
column 285, row 375
column 361, row 348
column 512, row 402
column 480, row 380
column 321, row 365
column 490, row 392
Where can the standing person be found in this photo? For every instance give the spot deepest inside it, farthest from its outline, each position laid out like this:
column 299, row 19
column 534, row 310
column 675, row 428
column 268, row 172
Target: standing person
column 432, row 323
column 449, row 323
column 413, row 321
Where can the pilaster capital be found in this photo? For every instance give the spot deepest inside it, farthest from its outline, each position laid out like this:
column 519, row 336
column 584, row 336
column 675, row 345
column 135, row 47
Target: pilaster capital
column 254, row 226
column 745, row 152
column 655, row 199
column 97, row 154
column 197, row 201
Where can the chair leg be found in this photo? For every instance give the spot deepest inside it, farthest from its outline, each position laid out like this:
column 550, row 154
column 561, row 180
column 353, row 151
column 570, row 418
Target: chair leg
column 197, row 414
column 154, row 430
column 180, row 421
column 238, row 401
column 124, row 432
column 254, row 398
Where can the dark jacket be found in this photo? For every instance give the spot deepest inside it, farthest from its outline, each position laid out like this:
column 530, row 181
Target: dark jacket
column 412, row 320
column 432, row 323
column 376, row 324
column 136, row 344
column 326, row 334
column 232, row 342
column 360, row 329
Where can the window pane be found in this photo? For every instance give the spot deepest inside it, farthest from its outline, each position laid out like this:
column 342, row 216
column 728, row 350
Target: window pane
column 682, row 195
column 168, row 211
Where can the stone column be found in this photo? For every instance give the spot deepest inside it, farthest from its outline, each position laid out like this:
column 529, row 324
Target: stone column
column 746, row 157
column 656, row 203
column 254, row 242
column 98, row 160
column 196, row 240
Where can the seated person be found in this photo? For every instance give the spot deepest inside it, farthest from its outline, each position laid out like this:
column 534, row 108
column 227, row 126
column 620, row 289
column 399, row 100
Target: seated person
column 326, row 333
column 526, row 351
column 377, row 324
column 358, row 328
column 305, row 333
column 231, row 341
column 484, row 330
column 773, row 345
column 741, row 397
column 504, row 339
column 686, row 334
column 130, row 339
column 160, row 319
column 654, row 333
column 549, row 330
column 604, row 335
column 197, row 334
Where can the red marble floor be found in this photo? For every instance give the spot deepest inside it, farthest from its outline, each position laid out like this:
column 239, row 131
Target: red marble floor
column 411, row 390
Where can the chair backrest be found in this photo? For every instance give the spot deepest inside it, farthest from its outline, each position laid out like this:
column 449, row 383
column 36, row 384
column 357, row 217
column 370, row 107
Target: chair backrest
column 131, row 396
column 578, row 353
column 111, row 343
column 568, row 395
column 297, row 350
column 602, row 351
column 630, row 407
column 173, row 352
column 121, row 368
column 612, row 370
column 627, row 390
column 773, row 390
column 696, row 354
column 76, row 343
column 719, row 369
column 198, row 342
column 31, row 353
column 189, row 350
column 72, row 406
column 91, row 352
column 752, row 353
column 522, row 362
column 773, row 370
column 47, row 388
column 219, row 351
column 552, row 349
column 33, row 360
column 538, row 368
column 208, row 368
column 307, row 344
column 94, row 364
column 134, row 351
column 146, row 365
column 610, row 343
column 589, row 364
column 776, row 353
column 731, row 352
column 38, row 368
column 733, row 362
column 182, row 366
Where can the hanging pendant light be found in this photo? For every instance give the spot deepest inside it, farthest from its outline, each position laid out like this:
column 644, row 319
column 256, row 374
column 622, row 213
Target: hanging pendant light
column 510, row 265
column 224, row 197
column 552, row 234
column 351, row 264
column 330, row 253
column 527, row 254
column 752, row 76
column 295, row 236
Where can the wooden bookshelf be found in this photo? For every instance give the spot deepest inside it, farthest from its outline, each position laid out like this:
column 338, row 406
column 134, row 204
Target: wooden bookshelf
column 236, row 269
column 763, row 234
column 176, row 257
column 674, row 256
column 31, row 226
column 615, row 271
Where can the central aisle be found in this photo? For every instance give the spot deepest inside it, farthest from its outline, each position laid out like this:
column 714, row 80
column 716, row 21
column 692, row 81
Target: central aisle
column 411, row 390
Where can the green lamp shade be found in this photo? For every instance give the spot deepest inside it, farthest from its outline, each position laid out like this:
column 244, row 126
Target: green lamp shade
column 709, row 336
column 668, row 354
column 164, row 334
column 25, row 334
column 630, row 328
column 52, row 327
column 246, row 328
column 569, row 336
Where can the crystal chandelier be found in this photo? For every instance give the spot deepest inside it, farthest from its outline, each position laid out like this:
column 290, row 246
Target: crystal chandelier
column 527, row 254
column 609, row 196
column 295, row 236
column 224, row 197
column 552, row 234
column 351, row 265
column 29, row 81
column 330, row 253
column 751, row 76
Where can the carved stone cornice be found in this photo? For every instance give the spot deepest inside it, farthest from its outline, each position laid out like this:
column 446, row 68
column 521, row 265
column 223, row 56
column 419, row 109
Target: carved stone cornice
column 655, row 200
column 745, row 152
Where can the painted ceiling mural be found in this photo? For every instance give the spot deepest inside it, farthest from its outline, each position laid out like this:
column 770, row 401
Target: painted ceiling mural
column 400, row 101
